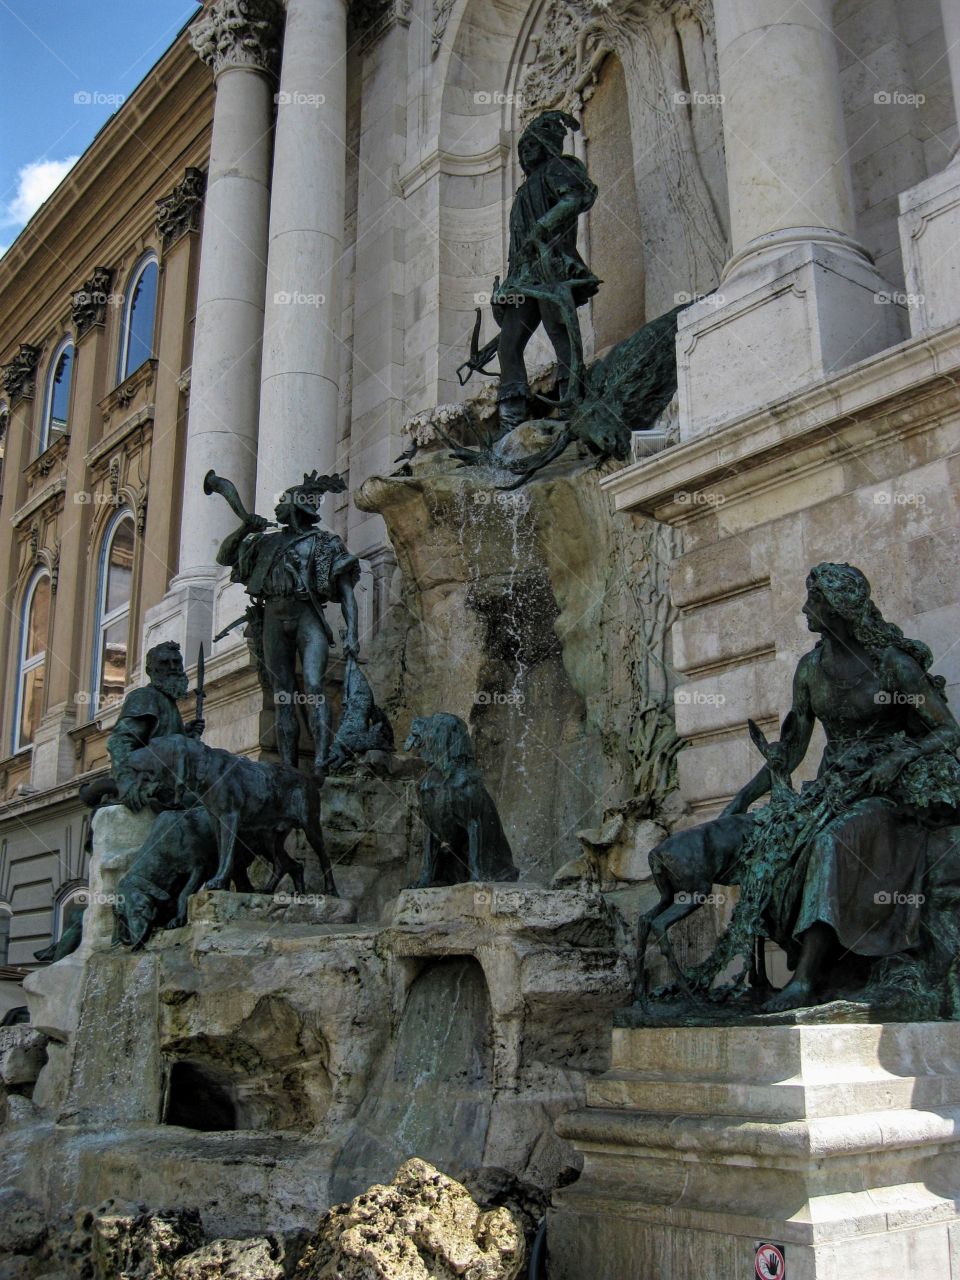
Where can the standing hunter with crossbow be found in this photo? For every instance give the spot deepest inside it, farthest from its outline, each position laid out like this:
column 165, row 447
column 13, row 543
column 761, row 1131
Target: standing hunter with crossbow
column 547, row 280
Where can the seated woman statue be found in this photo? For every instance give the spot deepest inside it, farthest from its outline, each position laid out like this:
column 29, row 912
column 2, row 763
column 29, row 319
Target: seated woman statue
column 839, row 869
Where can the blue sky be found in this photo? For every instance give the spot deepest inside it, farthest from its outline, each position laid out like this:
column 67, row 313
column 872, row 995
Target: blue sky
column 65, row 66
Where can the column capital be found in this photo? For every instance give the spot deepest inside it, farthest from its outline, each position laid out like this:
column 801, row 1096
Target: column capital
column 239, row 33
column 179, row 212
column 89, row 304
column 19, row 376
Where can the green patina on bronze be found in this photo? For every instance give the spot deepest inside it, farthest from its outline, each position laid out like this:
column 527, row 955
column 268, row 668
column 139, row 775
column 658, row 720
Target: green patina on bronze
column 857, row 875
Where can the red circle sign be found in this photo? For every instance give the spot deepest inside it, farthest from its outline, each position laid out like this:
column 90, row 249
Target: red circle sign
column 770, row 1264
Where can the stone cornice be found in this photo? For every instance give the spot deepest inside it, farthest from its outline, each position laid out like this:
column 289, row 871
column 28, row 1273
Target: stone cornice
column 46, row 494
column 448, row 162
column 896, row 393
column 239, row 33
column 370, row 20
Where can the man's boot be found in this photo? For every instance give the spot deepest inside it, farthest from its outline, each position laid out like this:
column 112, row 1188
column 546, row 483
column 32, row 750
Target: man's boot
column 512, row 403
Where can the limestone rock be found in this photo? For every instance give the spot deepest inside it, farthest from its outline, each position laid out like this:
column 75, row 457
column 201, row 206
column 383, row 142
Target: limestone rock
column 23, row 1051
column 123, row 1241
column 255, row 1259
column 526, row 439
column 23, row 1227
column 423, row 1226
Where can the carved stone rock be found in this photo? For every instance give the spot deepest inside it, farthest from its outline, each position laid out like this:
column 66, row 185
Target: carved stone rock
column 90, row 301
column 19, row 376
column 239, row 33
column 254, row 1259
column 179, row 212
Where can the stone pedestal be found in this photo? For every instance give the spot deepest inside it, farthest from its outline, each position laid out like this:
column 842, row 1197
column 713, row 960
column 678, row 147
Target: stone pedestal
column 929, row 234
column 784, row 325
column 838, row 1145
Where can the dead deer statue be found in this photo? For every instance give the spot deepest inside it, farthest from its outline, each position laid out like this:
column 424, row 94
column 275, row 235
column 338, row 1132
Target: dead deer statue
column 687, row 865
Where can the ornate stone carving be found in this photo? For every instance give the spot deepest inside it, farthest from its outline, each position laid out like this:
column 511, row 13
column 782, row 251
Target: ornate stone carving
column 442, row 10
column 19, row 376
column 179, row 212
column 372, row 19
column 566, row 58
column 239, row 33
column 90, row 301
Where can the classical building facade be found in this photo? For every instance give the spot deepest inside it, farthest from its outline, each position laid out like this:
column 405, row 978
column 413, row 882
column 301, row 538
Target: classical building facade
column 268, row 262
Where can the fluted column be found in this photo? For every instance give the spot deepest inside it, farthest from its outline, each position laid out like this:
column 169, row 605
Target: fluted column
column 301, row 349
column 239, row 39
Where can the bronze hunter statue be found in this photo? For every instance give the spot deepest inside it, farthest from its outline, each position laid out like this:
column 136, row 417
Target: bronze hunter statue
column 856, row 875
column 547, row 280
column 291, row 573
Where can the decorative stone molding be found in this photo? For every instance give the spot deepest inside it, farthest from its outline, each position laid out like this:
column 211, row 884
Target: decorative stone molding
column 179, row 212
column 19, row 376
column 4, row 422
column 442, row 10
column 239, row 33
column 90, row 301
column 370, row 20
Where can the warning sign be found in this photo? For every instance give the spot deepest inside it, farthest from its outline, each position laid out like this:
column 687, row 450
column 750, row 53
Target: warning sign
column 770, row 1263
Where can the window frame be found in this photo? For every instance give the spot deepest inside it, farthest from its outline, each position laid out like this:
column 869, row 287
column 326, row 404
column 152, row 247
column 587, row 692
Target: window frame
column 44, row 438
column 6, row 912
column 102, row 619
column 24, row 665
column 129, row 294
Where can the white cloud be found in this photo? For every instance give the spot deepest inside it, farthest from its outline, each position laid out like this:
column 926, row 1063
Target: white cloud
column 35, row 181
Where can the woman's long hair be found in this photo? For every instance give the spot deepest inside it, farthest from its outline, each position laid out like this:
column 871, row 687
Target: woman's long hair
column 847, row 591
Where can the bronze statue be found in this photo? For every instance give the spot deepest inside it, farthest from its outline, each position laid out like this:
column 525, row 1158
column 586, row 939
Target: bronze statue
column 147, row 713
column 842, row 874
column 291, row 573
column 547, row 280
column 363, row 725
column 464, row 839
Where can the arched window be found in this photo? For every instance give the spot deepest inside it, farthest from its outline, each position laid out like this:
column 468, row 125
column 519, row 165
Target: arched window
column 4, row 420
column 139, row 311
column 70, row 904
column 6, row 915
column 56, row 400
column 114, row 586
column 32, row 659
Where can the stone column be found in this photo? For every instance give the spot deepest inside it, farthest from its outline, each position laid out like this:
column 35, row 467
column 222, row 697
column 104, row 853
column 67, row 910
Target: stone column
column 299, row 385
column 951, row 30
column 799, row 296
column 239, row 39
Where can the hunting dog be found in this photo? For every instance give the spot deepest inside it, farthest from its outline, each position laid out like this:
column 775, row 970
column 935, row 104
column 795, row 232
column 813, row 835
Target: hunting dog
column 239, row 794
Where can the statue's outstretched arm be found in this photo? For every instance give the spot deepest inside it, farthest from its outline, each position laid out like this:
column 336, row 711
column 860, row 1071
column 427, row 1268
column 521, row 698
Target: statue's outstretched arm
column 797, row 740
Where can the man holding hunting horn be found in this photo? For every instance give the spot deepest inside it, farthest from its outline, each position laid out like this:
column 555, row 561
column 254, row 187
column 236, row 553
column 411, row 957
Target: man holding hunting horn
column 290, row 573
